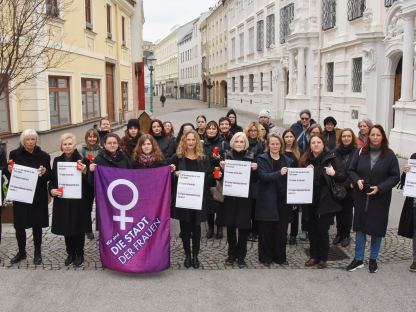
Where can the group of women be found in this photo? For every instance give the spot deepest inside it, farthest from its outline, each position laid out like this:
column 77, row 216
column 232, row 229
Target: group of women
column 364, row 167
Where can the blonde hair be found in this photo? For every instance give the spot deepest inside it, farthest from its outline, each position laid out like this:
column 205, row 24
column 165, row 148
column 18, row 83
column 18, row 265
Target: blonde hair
column 276, row 136
column 239, row 135
column 199, row 149
column 26, row 133
column 251, row 125
column 65, row 137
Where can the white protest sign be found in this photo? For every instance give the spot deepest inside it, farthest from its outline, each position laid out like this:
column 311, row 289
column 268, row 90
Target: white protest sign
column 299, row 185
column 22, row 185
column 190, row 190
column 236, row 178
column 409, row 188
column 70, row 179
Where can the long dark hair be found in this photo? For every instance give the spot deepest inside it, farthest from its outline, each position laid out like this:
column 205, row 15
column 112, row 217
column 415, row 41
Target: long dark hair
column 163, row 133
column 295, row 147
column 305, row 157
column 180, row 133
column 384, row 142
column 354, row 143
column 155, row 148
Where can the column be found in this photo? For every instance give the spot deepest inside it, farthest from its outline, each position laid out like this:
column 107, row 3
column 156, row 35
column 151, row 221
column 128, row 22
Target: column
column 408, row 54
column 301, row 72
column 291, row 71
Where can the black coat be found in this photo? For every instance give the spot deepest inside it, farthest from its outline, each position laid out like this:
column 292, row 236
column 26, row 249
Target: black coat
column 36, row 214
column 406, row 224
column 323, row 200
column 371, row 213
column 345, row 157
column 167, row 146
column 271, row 200
column 236, row 211
column 69, row 216
column 191, row 215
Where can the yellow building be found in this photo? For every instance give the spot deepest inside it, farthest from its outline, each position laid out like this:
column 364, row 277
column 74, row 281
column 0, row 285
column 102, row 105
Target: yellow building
column 95, row 80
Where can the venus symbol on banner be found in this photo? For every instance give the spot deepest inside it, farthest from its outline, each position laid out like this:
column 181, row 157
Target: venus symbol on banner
column 122, row 218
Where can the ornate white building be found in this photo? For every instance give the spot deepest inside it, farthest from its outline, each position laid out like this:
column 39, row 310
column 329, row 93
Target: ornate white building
column 340, row 58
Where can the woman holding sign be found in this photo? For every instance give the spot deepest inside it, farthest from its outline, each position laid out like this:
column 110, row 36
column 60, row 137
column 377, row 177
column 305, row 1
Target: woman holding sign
column 272, row 212
column 374, row 171
column 33, row 215
column 320, row 213
column 69, row 215
column 190, row 157
column 236, row 212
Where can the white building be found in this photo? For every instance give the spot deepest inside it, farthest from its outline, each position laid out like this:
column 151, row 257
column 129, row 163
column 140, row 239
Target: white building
column 340, row 58
column 189, row 55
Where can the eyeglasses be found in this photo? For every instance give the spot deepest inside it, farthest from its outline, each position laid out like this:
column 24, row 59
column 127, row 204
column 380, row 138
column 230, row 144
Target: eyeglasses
column 255, row 130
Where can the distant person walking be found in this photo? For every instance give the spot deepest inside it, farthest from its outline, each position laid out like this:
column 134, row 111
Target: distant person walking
column 163, row 100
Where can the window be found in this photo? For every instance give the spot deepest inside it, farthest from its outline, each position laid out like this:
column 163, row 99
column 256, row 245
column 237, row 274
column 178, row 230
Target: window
column 109, row 34
column 241, row 83
column 124, row 95
column 356, row 9
column 59, row 101
column 261, row 81
column 389, row 3
column 90, row 98
column 241, row 37
column 330, row 77
column 287, row 14
column 251, row 40
column 4, row 112
column 328, row 14
column 260, row 35
column 88, row 19
column 357, row 77
column 270, row 31
column 52, row 8
column 251, row 83
column 123, row 31
column 271, row 81
column 233, row 84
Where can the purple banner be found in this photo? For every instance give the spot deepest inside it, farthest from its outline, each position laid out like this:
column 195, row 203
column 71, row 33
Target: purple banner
column 133, row 214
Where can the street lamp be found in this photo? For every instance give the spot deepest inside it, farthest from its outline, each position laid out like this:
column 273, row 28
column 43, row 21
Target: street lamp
column 209, row 86
column 149, row 60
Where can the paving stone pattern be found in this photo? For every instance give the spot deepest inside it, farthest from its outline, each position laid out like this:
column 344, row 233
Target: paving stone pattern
column 212, row 256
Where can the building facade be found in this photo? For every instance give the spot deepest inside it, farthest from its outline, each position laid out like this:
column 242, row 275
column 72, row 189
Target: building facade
column 214, row 34
column 94, row 81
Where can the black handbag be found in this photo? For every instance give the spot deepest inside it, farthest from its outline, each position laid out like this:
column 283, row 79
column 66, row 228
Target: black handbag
column 338, row 190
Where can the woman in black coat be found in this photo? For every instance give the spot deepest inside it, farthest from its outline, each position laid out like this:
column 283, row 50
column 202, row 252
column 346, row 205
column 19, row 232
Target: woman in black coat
column 272, row 212
column 213, row 151
column 69, row 216
column 166, row 143
column 407, row 224
column 320, row 214
column 190, row 157
column 374, row 171
column 33, row 215
column 345, row 152
column 3, row 169
column 236, row 211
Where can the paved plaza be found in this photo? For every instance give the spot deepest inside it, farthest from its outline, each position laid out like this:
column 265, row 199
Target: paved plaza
column 215, row 286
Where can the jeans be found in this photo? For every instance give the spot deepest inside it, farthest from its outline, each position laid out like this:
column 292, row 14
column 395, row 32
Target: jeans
column 360, row 241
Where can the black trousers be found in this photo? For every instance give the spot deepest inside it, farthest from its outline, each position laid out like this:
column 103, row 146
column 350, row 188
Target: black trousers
column 89, row 203
column 75, row 244
column 211, row 219
column 254, row 226
column 272, row 241
column 237, row 249
column 344, row 218
column 294, row 225
column 190, row 231
column 318, row 226
column 37, row 239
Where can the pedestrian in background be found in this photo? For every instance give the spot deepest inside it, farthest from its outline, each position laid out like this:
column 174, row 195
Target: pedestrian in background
column 163, row 100
column 69, row 216
column 33, row 215
column 374, row 171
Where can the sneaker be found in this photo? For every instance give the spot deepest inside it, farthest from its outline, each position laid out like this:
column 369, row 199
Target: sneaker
column 372, row 266
column 303, row 236
column 413, row 267
column 354, row 265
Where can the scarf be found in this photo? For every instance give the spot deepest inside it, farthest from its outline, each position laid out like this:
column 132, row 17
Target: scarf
column 146, row 160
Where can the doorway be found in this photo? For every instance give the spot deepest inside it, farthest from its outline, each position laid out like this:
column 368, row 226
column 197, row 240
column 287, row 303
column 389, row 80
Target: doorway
column 109, row 75
column 397, row 85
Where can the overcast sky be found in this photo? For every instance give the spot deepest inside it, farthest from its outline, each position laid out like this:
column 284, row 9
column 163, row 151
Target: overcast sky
column 161, row 15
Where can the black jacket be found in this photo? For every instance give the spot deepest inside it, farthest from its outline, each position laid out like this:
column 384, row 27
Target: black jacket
column 406, row 224
column 35, row 214
column 167, row 146
column 323, row 200
column 271, row 198
column 371, row 213
column 69, row 216
column 330, row 139
column 236, row 211
column 345, row 156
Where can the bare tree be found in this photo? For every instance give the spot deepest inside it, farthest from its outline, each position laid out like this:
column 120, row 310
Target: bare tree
column 29, row 42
